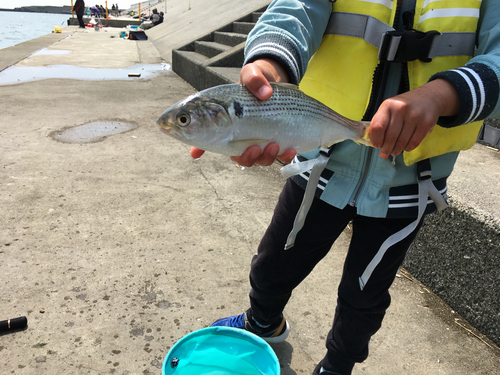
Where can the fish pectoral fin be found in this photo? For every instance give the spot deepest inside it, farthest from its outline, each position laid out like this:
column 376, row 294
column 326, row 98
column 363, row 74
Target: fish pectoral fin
column 245, row 143
column 328, row 145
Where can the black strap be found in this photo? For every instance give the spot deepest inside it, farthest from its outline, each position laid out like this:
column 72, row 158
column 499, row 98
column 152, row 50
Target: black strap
column 327, row 151
column 424, row 171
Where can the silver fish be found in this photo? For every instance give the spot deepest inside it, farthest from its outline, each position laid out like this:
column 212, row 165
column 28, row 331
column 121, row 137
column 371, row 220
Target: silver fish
column 228, row 119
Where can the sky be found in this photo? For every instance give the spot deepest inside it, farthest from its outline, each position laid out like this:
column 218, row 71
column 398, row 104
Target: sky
column 9, row 4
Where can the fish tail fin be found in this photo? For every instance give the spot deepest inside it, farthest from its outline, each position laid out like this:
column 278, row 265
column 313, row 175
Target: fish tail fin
column 360, row 134
column 365, row 138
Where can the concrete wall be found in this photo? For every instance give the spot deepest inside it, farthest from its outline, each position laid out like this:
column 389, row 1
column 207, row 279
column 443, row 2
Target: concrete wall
column 457, row 253
column 189, row 24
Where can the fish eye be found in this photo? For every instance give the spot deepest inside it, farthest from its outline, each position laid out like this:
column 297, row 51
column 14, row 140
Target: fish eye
column 183, row 119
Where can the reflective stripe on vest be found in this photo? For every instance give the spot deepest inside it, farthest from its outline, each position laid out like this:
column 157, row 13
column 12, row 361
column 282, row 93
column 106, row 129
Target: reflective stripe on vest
column 340, row 72
column 372, row 31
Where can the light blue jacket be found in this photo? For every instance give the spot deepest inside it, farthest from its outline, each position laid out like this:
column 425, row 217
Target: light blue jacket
column 290, row 31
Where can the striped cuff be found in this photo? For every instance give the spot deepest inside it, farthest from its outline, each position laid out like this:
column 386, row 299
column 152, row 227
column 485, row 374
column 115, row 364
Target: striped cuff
column 478, row 90
column 278, row 47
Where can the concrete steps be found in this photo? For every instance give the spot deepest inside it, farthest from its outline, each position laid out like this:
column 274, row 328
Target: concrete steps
column 229, row 38
column 215, row 58
column 243, row 27
column 210, row 49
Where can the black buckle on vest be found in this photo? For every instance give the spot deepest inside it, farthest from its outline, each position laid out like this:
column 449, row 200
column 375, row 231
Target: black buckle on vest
column 326, row 151
column 424, row 170
column 403, row 46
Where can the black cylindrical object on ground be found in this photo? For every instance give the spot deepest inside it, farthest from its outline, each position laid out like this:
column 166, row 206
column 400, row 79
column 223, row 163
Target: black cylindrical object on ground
column 12, row 324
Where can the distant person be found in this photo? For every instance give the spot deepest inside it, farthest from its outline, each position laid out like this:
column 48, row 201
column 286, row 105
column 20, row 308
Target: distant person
column 154, row 20
column 79, row 8
column 113, row 9
column 94, row 11
column 117, row 9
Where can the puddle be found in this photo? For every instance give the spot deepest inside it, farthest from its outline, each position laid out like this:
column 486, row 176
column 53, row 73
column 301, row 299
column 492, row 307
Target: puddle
column 45, row 51
column 92, row 132
column 21, row 74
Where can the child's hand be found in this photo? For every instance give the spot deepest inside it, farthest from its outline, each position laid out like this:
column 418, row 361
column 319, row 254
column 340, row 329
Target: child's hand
column 256, row 77
column 402, row 122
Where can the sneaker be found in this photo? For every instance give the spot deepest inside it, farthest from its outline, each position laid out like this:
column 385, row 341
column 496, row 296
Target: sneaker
column 320, row 370
column 274, row 333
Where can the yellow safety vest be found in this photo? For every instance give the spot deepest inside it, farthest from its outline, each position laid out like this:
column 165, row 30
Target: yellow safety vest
column 340, row 72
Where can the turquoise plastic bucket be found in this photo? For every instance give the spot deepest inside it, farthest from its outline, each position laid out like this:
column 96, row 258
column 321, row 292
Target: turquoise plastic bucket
column 221, row 351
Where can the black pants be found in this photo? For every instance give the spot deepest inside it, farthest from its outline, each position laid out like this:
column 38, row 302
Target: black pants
column 275, row 272
column 80, row 19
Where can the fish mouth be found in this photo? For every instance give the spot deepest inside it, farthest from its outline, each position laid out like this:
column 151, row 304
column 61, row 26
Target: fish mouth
column 164, row 125
column 165, row 130
column 170, row 131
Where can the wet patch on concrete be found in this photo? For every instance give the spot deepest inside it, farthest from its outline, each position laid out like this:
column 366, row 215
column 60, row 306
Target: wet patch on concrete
column 92, row 132
column 45, row 51
column 21, row 74
column 163, row 304
column 137, row 332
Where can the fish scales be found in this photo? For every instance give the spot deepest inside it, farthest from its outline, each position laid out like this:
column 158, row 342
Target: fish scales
column 290, row 102
column 228, row 119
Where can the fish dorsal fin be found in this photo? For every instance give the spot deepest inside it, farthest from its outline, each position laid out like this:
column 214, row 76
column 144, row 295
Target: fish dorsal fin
column 285, row 85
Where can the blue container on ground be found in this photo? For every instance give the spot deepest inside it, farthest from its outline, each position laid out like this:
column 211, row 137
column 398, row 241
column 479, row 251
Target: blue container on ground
column 221, row 351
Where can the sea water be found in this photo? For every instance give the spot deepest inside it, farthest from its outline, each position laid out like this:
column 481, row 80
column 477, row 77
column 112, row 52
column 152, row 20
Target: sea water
column 18, row 27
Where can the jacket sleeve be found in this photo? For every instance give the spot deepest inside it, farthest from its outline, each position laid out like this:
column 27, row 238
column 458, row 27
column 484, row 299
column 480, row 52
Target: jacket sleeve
column 289, row 31
column 478, row 82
